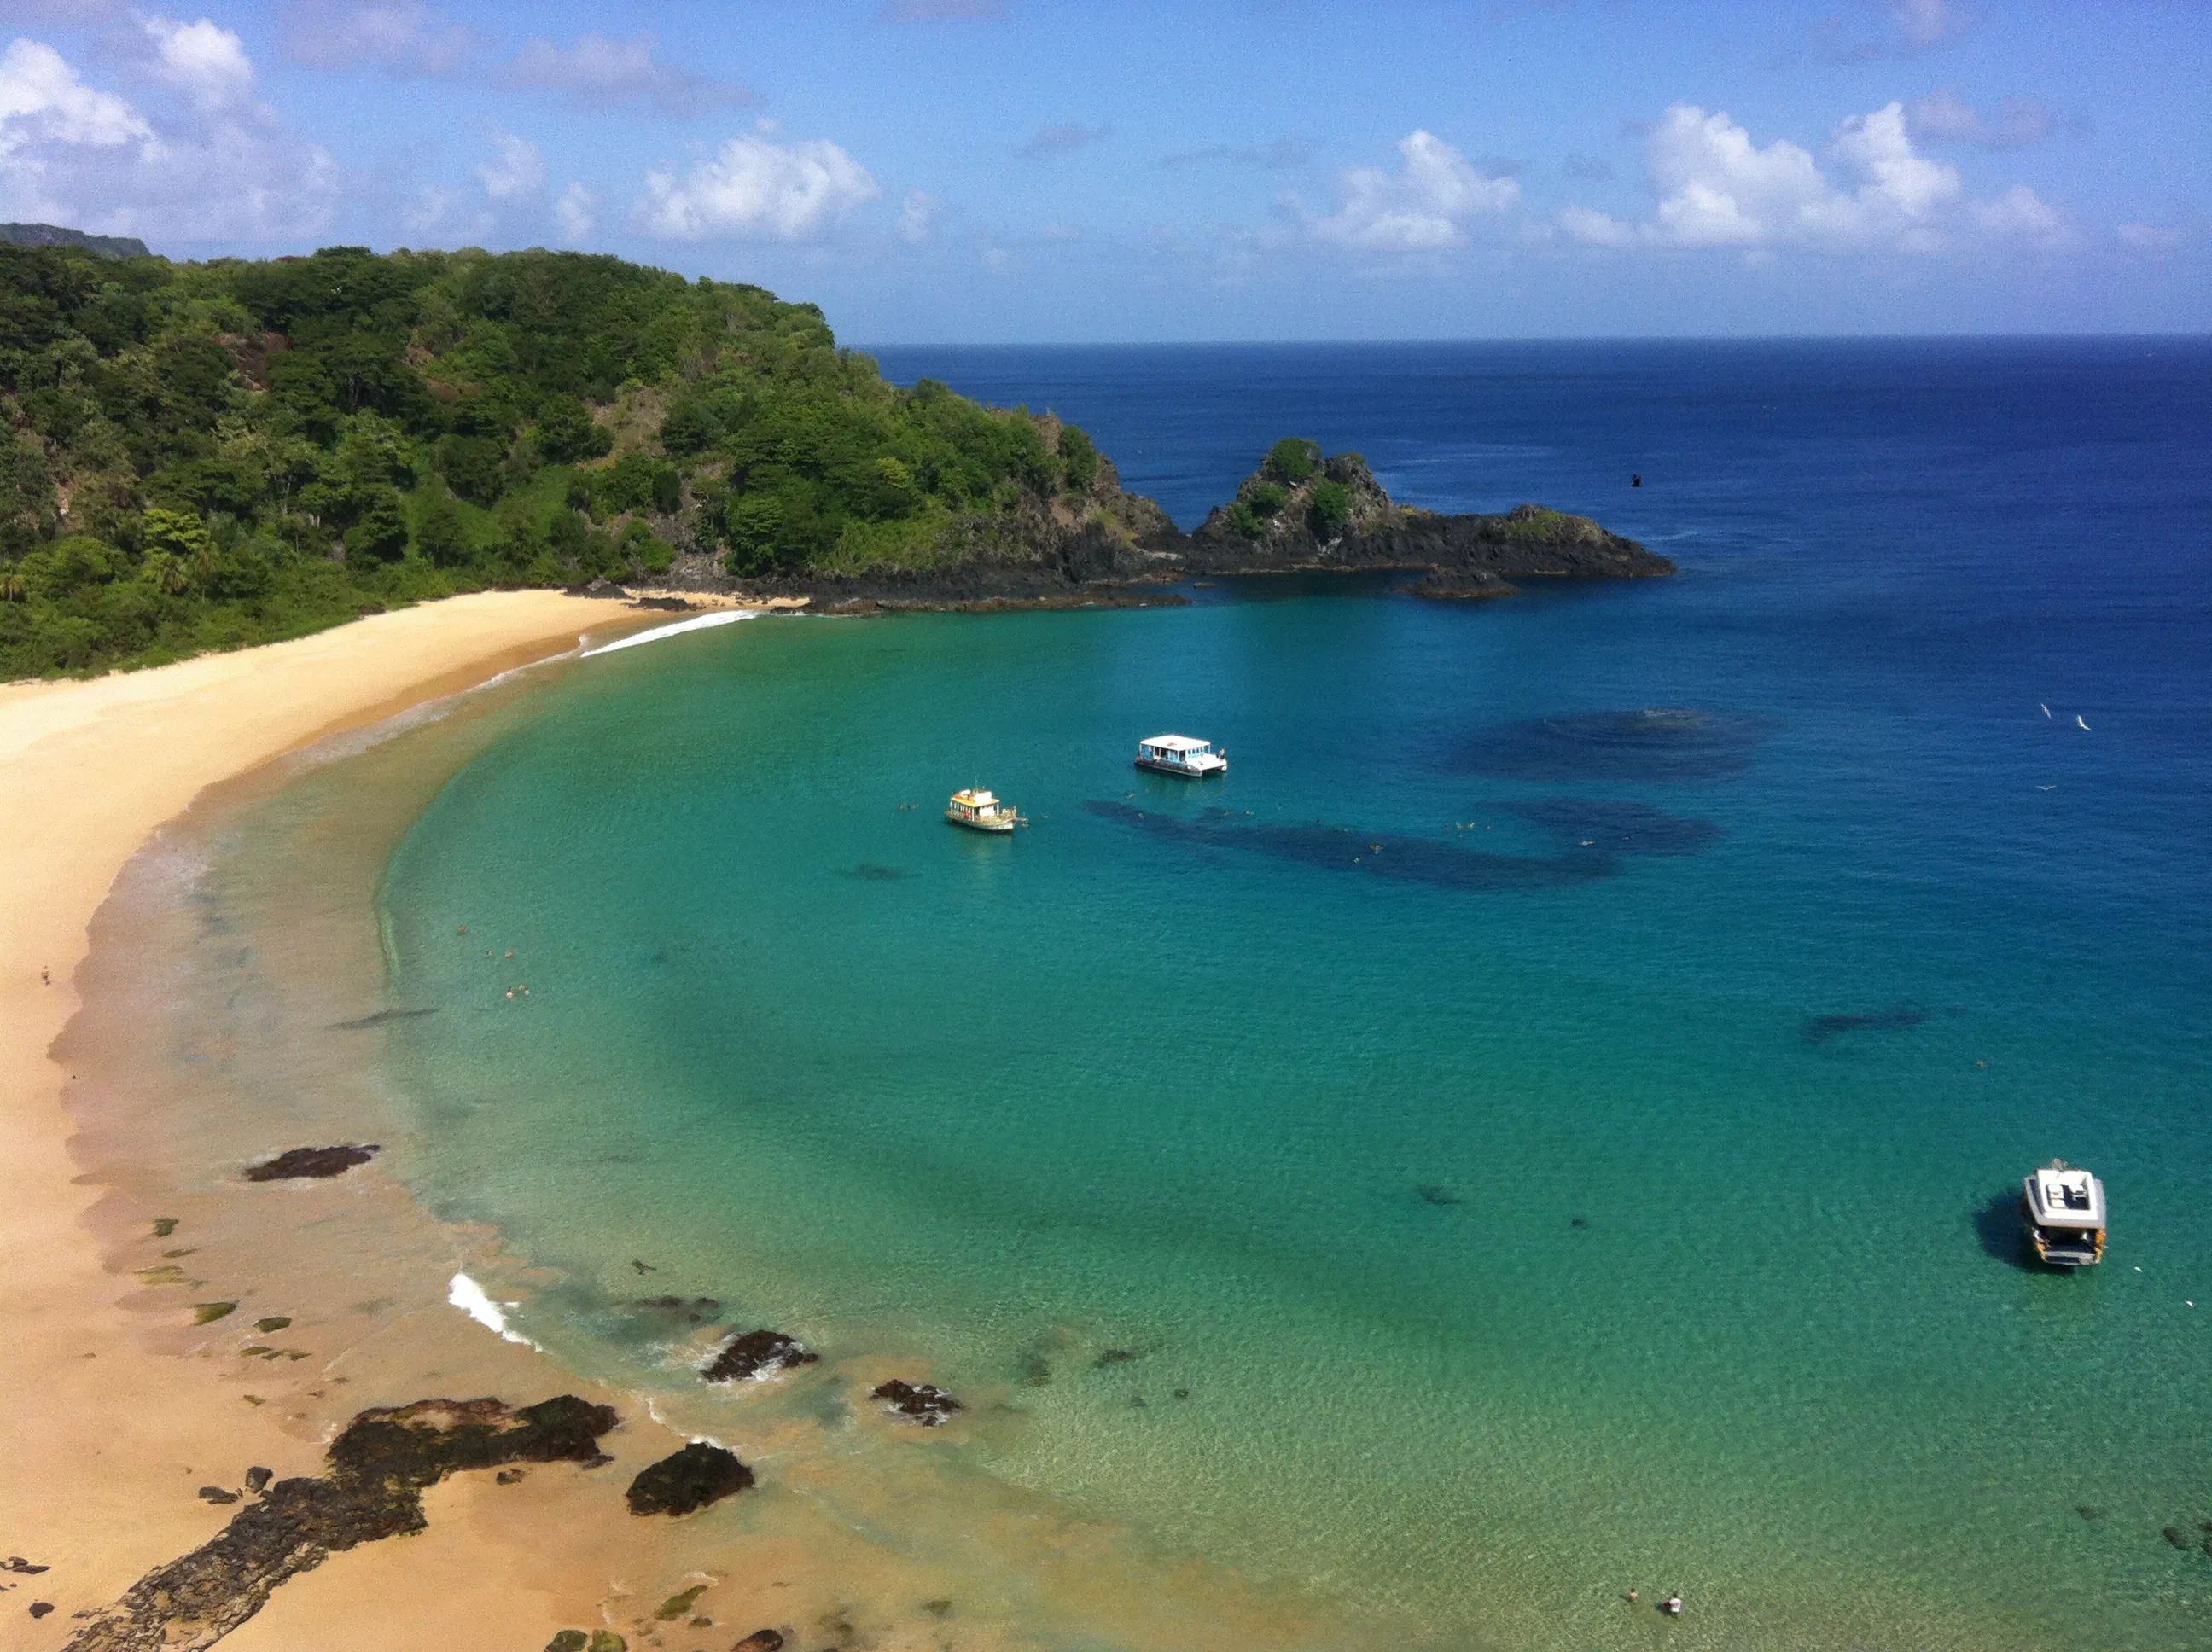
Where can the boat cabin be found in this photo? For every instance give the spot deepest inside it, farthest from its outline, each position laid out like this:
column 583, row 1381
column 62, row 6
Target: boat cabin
column 1179, row 754
column 2063, row 1207
column 982, row 811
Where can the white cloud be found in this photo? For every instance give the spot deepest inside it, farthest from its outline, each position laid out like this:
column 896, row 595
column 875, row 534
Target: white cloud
column 518, row 169
column 72, row 154
column 2149, row 238
column 1716, row 188
column 603, row 74
column 43, row 101
column 575, row 214
column 402, row 37
column 1913, row 27
column 918, row 216
column 1944, row 117
column 756, row 190
column 206, row 63
column 1423, row 207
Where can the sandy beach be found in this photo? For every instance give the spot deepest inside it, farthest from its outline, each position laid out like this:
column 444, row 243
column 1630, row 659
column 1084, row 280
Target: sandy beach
column 107, row 1438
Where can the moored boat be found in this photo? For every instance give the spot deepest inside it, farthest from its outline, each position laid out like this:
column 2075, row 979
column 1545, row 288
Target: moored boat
column 2063, row 1207
column 980, row 812
column 1180, row 754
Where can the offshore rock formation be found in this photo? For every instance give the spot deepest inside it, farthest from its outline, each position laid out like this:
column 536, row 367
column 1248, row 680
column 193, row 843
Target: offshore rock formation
column 756, row 1354
column 379, row 1467
column 1300, row 511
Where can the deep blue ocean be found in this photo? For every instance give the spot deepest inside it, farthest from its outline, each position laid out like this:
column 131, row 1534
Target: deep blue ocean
column 1548, row 1123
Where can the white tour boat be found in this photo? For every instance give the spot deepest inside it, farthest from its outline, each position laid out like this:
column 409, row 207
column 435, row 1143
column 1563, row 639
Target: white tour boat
column 1179, row 754
column 2063, row 1209
column 979, row 811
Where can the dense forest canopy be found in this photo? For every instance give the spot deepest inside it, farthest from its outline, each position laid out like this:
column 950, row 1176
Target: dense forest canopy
column 201, row 456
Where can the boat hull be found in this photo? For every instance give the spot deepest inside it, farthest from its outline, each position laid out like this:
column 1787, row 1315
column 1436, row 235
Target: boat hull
column 2066, row 1247
column 1158, row 767
column 996, row 825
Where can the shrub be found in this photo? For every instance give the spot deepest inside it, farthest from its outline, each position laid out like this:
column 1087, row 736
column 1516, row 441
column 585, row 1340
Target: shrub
column 1079, row 458
column 1241, row 518
column 1292, row 460
column 470, row 465
column 1265, row 498
column 1332, row 508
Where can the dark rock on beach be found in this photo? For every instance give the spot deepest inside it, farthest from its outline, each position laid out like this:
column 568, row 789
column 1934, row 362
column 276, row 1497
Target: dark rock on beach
column 216, row 1494
column 761, row 1640
column 924, row 1402
column 688, row 1480
column 40, row 1608
column 379, row 1468
column 15, row 1563
column 299, row 1162
column 756, row 1354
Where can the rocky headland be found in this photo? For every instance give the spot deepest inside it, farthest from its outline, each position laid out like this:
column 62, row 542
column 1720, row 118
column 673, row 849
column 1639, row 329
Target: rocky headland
column 1300, row 511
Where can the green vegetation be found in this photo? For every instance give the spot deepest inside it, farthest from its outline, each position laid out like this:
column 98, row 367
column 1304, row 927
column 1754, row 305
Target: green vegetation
column 1536, row 522
column 1295, row 463
column 205, row 456
column 1332, row 508
column 1291, row 460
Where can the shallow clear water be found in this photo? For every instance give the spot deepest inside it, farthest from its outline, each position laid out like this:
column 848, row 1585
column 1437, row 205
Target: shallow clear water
column 1417, row 1169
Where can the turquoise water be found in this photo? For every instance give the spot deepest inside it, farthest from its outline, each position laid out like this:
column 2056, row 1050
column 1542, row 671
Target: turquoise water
column 1438, row 1113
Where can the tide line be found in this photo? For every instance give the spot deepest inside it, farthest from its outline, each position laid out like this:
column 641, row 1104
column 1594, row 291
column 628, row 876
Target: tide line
column 698, row 622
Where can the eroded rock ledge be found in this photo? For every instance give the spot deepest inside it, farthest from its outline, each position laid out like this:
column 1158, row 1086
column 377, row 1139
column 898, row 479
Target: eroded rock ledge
column 379, row 1468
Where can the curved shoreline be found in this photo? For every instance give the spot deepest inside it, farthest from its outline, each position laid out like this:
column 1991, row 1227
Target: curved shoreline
column 100, row 1433
column 158, row 999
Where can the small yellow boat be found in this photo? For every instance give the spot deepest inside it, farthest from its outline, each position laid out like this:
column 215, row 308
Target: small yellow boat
column 980, row 812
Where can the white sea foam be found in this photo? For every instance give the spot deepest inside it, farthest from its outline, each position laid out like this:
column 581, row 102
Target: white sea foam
column 469, row 1296
column 696, row 622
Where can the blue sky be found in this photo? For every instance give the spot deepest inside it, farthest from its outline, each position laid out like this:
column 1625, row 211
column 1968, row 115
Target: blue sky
column 1025, row 170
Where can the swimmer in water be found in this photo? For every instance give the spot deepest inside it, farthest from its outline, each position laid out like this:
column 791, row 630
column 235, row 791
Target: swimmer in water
column 1672, row 1605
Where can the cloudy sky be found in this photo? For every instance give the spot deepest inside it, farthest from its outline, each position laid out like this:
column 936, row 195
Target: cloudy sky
column 1020, row 170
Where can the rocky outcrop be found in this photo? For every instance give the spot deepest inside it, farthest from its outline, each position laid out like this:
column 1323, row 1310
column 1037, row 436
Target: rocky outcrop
column 299, row 1163
column 1301, row 510
column 688, row 1480
column 756, row 1354
column 921, row 1402
column 379, row 1468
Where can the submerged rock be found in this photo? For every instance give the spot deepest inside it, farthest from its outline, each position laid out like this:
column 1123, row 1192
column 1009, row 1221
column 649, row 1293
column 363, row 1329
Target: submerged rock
column 761, row 1640
column 568, row 1640
column 299, row 1162
column 1822, row 1028
column 688, row 1480
column 1434, row 1193
column 924, row 1402
column 756, row 1354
